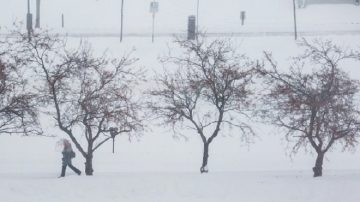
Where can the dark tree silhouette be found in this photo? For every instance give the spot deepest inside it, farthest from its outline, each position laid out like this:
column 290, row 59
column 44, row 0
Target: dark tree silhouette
column 209, row 88
column 315, row 100
column 90, row 96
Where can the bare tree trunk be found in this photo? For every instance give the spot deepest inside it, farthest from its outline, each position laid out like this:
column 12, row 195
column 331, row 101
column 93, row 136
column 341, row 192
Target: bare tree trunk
column 204, row 168
column 318, row 165
column 88, row 165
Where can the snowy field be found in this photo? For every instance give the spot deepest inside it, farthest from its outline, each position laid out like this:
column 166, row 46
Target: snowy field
column 157, row 167
column 183, row 187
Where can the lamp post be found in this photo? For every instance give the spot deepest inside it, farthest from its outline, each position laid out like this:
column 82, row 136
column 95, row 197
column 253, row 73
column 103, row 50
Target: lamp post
column 37, row 21
column 29, row 20
column 113, row 133
column 295, row 26
column 154, row 8
column 197, row 17
column 62, row 21
column 122, row 20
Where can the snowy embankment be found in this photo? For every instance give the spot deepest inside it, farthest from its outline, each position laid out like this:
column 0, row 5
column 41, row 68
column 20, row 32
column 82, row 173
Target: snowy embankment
column 183, row 187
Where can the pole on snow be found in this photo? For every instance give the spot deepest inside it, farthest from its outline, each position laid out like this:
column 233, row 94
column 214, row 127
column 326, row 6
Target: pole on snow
column 295, row 23
column 113, row 133
column 191, row 31
column 197, row 18
column 62, row 21
column 122, row 20
column 37, row 21
column 154, row 8
column 29, row 20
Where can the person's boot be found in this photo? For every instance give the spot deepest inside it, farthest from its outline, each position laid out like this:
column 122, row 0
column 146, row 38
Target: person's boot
column 77, row 171
column 63, row 169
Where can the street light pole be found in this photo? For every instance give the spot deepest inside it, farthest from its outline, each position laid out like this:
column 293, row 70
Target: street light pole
column 122, row 20
column 62, row 20
column 37, row 24
column 154, row 8
column 197, row 18
column 28, row 6
column 295, row 26
column 153, row 27
column 113, row 133
column 29, row 20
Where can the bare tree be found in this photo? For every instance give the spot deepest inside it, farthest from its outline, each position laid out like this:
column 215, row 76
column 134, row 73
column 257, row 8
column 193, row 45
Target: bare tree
column 210, row 88
column 90, row 96
column 315, row 100
column 18, row 106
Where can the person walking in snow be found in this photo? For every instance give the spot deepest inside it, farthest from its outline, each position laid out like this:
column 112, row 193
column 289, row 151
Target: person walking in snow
column 68, row 154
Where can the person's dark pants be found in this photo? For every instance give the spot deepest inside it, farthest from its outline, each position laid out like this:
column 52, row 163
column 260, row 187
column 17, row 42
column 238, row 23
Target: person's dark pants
column 63, row 170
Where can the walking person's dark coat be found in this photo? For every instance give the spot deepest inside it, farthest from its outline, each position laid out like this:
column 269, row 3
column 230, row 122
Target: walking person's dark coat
column 68, row 155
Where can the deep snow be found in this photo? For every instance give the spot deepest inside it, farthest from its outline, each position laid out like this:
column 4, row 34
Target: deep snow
column 153, row 166
column 182, row 187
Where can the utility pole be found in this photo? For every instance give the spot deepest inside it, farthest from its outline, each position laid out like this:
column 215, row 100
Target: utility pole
column 154, row 8
column 29, row 20
column 113, row 133
column 113, row 146
column 37, row 21
column 122, row 20
column 62, row 21
column 197, row 18
column 295, row 23
column 153, row 28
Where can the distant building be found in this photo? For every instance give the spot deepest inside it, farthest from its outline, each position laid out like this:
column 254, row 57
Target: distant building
column 304, row 3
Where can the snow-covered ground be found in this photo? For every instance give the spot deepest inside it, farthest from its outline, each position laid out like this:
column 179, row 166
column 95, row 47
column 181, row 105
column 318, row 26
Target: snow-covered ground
column 158, row 167
column 182, row 187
